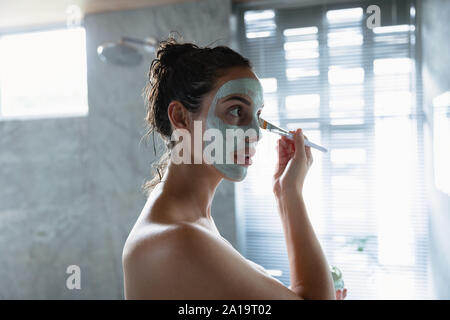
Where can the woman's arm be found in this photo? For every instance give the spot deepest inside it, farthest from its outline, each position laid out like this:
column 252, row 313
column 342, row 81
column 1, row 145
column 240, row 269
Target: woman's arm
column 310, row 273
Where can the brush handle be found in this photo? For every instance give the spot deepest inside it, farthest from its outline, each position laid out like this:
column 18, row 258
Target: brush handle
column 307, row 142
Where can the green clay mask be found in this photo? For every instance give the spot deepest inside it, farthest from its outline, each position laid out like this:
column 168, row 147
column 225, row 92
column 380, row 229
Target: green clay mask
column 252, row 90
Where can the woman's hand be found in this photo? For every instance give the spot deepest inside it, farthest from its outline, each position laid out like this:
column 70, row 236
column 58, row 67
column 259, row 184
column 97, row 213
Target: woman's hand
column 341, row 294
column 294, row 160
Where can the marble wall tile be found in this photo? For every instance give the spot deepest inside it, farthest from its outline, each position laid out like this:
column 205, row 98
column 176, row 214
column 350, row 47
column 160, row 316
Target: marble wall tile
column 27, row 184
column 41, row 139
column 39, row 244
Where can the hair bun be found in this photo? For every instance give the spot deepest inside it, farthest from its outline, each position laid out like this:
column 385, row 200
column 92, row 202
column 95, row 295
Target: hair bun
column 170, row 51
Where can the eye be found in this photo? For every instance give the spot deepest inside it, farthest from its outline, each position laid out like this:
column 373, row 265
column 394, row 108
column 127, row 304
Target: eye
column 236, row 112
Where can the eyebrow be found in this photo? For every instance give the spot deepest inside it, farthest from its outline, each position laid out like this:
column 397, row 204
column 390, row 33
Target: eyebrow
column 238, row 98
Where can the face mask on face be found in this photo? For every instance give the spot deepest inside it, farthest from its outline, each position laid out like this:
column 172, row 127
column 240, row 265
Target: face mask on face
column 243, row 86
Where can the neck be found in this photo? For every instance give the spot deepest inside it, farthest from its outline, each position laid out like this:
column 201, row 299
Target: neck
column 194, row 185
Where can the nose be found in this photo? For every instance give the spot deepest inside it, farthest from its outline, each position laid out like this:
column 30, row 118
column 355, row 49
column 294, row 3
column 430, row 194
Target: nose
column 258, row 131
column 254, row 138
column 255, row 130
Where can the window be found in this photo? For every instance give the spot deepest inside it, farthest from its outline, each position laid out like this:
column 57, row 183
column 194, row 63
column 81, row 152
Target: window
column 355, row 91
column 441, row 132
column 43, row 74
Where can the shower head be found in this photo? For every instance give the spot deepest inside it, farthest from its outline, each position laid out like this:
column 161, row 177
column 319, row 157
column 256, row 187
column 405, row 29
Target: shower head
column 125, row 52
column 119, row 53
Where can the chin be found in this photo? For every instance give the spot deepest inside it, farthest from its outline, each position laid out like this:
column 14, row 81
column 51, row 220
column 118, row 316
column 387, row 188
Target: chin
column 232, row 172
column 235, row 179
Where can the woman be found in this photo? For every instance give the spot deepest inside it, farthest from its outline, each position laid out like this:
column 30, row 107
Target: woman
column 175, row 251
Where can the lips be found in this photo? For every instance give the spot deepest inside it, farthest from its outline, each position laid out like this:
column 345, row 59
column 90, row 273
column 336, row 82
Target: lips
column 244, row 158
column 243, row 161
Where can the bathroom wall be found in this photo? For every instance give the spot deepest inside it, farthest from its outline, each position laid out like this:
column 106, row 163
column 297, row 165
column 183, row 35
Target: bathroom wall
column 44, row 216
column 70, row 187
column 435, row 16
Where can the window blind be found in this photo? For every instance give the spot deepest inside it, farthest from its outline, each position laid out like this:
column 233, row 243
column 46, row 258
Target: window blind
column 357, row 92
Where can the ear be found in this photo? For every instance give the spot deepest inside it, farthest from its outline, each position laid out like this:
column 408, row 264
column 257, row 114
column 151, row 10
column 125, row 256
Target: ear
column 178, row 115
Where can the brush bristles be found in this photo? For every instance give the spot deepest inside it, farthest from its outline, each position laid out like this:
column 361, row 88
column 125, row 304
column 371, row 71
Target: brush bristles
column 263, row 123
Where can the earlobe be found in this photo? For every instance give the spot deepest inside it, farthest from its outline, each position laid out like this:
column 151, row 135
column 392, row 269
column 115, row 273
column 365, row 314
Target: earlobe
column 178, row 115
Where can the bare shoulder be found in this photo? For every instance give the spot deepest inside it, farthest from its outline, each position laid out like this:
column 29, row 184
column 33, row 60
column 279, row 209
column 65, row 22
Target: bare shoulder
column 155, row 256
column 154, row 242
column 155, row 235
column 186, row 261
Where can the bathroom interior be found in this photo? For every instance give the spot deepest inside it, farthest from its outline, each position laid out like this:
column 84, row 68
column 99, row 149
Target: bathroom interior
column 367, row 79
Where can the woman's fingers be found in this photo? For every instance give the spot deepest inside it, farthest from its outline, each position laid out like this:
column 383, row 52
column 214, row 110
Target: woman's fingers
column 299, row 148
column 341, row 294
column 283, row 148
column 287, row 145
column 308, row 153
column 299, row 144
column 289, row 148
column 284, row 154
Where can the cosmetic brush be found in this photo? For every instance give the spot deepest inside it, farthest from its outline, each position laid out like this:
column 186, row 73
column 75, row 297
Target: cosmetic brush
column 273, row 128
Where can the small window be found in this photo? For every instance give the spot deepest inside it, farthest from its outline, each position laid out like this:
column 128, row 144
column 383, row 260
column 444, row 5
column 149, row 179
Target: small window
column 43, row 74
column 344, row 15
column 260, row 24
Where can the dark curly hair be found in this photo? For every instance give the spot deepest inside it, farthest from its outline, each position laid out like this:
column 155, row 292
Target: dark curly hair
column 184, row 72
